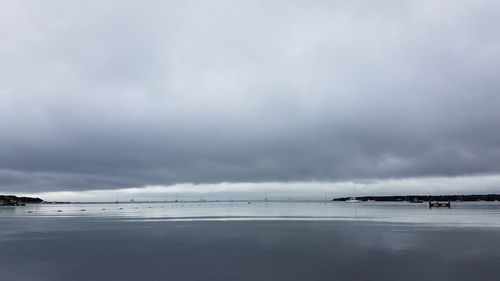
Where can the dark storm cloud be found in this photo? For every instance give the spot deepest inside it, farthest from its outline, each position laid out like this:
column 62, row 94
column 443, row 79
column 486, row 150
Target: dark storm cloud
column 119, row 94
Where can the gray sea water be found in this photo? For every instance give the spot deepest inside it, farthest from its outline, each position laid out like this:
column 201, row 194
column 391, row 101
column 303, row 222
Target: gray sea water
column 257, row 241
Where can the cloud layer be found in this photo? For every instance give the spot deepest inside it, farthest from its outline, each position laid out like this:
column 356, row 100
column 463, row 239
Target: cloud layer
column 126, row 94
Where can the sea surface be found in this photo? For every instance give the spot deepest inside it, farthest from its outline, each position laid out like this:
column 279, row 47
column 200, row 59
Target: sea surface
column 250, row 241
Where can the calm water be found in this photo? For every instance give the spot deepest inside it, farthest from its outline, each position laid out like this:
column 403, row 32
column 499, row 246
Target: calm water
column 464, row 214
column 257, row 241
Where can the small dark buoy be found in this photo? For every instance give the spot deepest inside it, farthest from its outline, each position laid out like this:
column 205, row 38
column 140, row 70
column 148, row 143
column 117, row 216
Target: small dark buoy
column 59, row 211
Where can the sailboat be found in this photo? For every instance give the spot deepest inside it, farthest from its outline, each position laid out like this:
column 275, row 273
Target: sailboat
column 353, row 199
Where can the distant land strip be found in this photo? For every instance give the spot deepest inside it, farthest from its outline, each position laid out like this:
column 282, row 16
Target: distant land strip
column 426, row 198
column 12, row 200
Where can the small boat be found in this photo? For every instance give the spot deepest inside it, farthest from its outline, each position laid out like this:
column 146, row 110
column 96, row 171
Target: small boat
column 439, row 204
column 353, row 200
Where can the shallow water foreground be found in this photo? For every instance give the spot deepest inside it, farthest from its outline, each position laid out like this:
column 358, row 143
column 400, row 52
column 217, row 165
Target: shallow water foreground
column 116, row 248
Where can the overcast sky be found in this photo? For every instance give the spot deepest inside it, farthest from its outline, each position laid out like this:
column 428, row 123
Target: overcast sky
column 98, row 95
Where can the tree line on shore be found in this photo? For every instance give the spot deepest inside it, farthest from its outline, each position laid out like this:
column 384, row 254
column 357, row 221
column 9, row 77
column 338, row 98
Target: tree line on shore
column 13, row 200
column 426, row 198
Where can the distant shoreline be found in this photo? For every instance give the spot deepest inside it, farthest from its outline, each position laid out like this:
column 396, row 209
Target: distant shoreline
column 12, row 200
column 426, row 198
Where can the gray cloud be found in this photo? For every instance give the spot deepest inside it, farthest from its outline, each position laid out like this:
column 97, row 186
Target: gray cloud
column 122, row 94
